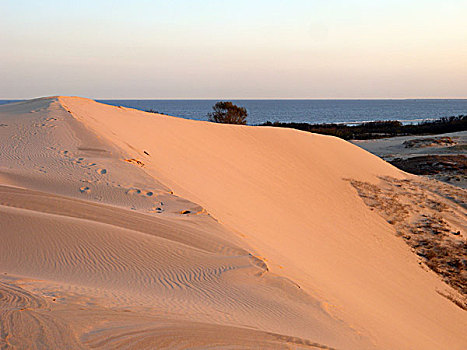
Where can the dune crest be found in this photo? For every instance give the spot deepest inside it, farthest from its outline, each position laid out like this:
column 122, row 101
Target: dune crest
column 140, row 230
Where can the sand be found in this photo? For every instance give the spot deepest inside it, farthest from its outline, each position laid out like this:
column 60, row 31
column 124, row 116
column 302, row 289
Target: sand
column 441, row 157
column 126, row 229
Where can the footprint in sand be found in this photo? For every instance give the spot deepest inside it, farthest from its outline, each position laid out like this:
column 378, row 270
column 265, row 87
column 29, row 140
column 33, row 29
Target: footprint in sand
column 140, row 192
column 85, row 189
column 156, row 210
column 101, row 171
column 133, row 191
column 135, row 161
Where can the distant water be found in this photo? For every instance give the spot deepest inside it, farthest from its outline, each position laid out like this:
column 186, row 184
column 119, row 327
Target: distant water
column 309, row 111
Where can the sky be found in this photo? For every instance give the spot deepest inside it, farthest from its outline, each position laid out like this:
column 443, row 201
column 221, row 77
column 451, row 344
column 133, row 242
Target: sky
column 233, row 48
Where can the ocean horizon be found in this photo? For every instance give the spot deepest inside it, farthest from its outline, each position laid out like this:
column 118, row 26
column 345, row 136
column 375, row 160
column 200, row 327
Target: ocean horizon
column 305, row 110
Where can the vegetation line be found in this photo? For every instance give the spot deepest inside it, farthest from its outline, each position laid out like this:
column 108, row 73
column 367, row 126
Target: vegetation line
column 380, row 129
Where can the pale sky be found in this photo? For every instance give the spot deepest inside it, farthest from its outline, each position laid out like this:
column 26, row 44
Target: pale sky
column 233, row 48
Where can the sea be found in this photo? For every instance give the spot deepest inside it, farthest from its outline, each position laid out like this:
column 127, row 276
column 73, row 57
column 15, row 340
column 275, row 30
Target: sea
column 308, row 111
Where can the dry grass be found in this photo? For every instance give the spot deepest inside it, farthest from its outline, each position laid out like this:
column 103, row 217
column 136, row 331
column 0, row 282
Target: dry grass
column 427, row 215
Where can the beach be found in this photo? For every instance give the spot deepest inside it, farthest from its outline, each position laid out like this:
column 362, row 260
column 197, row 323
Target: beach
column 127, row 229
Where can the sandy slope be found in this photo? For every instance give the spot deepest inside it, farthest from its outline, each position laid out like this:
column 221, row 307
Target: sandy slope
column 99, row 252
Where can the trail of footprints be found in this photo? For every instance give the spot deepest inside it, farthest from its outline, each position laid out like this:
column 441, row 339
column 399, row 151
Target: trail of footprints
column 47, row 123
column 80, row 161
column 140, row 192
column 178, row 206
column 158, row 206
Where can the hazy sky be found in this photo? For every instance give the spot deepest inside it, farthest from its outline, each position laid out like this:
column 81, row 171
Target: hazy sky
column 233, row 48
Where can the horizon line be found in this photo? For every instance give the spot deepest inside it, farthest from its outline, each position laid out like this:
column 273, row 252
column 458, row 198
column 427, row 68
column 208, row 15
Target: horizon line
column 247, row 98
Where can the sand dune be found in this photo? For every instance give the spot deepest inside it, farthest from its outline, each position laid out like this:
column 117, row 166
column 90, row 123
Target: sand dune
column 126, row 229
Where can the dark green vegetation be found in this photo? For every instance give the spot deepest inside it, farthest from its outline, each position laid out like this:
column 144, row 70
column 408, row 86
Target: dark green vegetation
column 228, row 113
column 380, row 129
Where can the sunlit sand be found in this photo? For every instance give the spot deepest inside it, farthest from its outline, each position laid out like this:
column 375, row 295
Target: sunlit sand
column 126, row 229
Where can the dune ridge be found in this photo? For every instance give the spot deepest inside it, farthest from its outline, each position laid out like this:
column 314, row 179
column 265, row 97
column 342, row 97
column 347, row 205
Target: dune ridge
column 140, row 230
